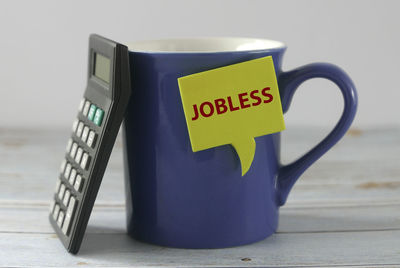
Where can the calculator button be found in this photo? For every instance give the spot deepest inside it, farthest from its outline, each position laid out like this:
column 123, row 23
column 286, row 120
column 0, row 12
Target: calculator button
column 58, row 186
column 60, row 218
column 72, row 177
column 85, row 133
column 65, row 228
column 91, row 139
column 79, row 129
column 61, row 192
column 63, row 164
column 52, row 206
column 92, row 112
column 66, row 197
column 68, row 215
column 78, row 183
column 55, row 212
column 71, row 206
column 85, row 161
column 86, row 108
column 75, row 125
column 69, row 145
column 98, row 117
column 78, row 155
column 67, row 171
column 81, row 104
column 73, row 150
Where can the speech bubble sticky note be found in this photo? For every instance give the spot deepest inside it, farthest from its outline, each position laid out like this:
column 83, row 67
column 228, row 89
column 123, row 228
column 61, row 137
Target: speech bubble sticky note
column 232, row 105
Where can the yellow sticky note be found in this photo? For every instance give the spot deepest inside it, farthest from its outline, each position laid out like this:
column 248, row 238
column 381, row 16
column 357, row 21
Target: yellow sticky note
column 232, row 105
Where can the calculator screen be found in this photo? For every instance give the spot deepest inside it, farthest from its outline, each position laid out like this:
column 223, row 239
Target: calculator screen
column 102, row 67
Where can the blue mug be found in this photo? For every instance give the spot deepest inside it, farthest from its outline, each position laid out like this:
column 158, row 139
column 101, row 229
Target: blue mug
column 178, row 198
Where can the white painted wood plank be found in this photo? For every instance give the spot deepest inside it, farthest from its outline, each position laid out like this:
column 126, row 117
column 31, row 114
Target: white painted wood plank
column 346, row 218
column 359, row 169
column 30, row 165
column 330, row 220
column 280, row 250
column 306, row 195
column 382, row 144
column 14, row 220
column 292, row 219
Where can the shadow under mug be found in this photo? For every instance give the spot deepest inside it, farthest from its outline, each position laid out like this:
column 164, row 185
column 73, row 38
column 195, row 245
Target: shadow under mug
column 178, row 198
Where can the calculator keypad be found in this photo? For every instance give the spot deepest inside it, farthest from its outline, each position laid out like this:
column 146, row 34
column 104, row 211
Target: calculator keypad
column 85, row 133
column 58, row 186
column 98, row 117
column 72, row 177
column 78, row 155
column 56, row 211
column 61, row 192
column 92, row 111
column 79, row 129
column 75, row 125
column 85, row 161
column 78, row 183
column 69, row 144
column 60, row 218
column 74, row 167
column 67, row 195
column 86, row 108
column 68, row 215
column 81, row 104
column 91, row 139
column 63, row 164
column 73, row 149
column 67, row 170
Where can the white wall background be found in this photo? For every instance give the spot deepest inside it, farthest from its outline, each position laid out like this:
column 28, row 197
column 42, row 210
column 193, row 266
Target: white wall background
column 43, row 50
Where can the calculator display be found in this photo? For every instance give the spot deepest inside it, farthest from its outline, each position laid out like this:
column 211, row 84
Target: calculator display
column 94, row 131
column 102, row 67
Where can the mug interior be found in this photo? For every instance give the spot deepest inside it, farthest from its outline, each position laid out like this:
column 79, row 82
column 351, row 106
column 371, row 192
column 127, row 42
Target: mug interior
column 204, row 45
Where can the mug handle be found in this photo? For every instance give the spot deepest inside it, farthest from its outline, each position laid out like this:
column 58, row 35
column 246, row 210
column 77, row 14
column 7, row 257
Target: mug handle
column 288, row 83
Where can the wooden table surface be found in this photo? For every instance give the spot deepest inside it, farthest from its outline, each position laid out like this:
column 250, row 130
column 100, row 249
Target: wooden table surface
column 344, row 211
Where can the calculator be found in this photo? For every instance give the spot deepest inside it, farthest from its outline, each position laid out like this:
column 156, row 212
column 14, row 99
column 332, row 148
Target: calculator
column 94, row 131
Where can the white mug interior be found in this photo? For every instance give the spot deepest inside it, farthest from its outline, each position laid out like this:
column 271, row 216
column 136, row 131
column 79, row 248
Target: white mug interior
column 204, row 45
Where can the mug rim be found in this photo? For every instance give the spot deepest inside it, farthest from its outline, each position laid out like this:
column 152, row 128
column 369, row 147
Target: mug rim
column 204, row 45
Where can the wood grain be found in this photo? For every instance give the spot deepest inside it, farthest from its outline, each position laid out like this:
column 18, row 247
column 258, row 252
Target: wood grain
column 344, row 211
column 280, row 250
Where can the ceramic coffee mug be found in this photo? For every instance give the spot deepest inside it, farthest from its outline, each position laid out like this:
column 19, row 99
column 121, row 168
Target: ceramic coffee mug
column 179, row 198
